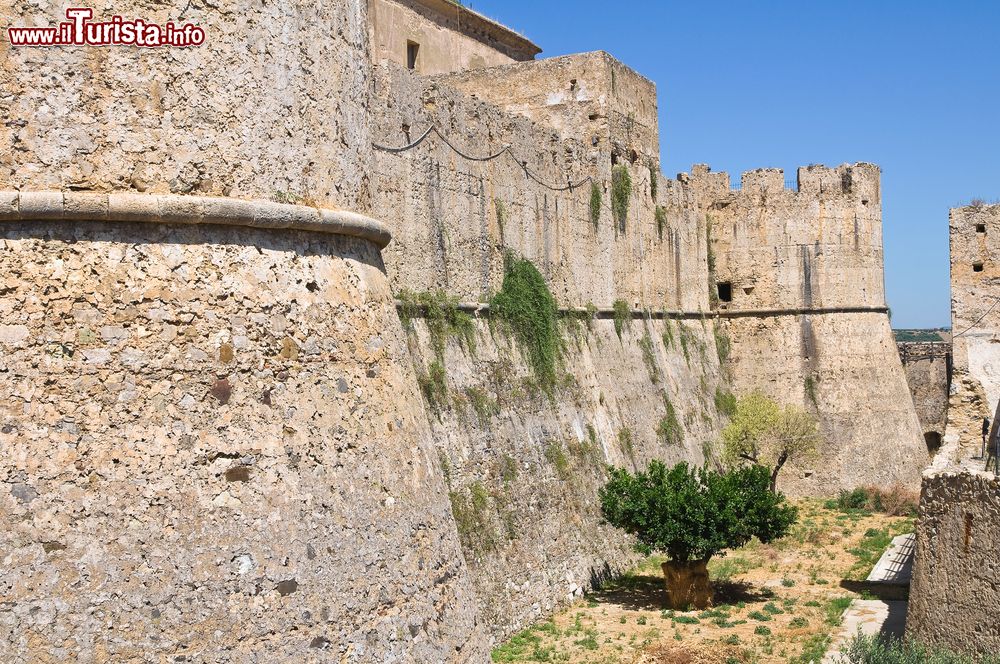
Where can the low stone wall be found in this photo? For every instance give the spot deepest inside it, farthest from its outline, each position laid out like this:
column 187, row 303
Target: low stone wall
column 955, row 594
column 213, row 446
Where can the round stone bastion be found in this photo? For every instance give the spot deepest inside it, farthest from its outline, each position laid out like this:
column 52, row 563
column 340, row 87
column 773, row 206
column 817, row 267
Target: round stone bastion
column 212, row 444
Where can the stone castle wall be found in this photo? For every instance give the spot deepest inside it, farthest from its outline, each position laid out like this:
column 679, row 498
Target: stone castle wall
column 975, row 273
column 535, row 463
column 589, row 97
column 449, row 36
column 928, row 373
column 238, row 116
column 954, row 598
column 213, row 441
column 453, row 217
column 806, row 313
column 214, row 419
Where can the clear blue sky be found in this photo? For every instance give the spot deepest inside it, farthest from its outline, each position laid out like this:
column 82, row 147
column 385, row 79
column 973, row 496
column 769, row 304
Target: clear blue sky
column 912, row 86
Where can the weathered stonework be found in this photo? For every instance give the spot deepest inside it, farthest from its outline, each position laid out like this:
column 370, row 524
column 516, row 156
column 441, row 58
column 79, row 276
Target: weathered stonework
column 538, row 540
column 928, row 373
column 213, row 447
column 213, row 436
column 442, row 36
column 275, row 104
column 954, row 595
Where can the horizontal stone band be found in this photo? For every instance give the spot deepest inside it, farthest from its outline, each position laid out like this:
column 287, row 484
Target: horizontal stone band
column 174, row 209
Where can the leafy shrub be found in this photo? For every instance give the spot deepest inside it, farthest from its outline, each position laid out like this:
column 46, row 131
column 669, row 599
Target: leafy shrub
column 896, row 500
column 695, row 513
column 876, row 649
column 527, row 309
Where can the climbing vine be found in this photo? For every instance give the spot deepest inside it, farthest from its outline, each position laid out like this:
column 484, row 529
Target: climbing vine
column 622, row 316
column 526, row 308
column 621, row 192
column 661, row 220
column 595, row 204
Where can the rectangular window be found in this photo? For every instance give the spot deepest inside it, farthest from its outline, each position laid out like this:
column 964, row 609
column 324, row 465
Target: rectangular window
column 412, row 51
column 725, row 291
column 977, row 267
column 980, row 228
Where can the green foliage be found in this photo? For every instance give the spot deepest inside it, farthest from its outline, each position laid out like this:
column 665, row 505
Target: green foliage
column 814, row 649
column 482, row 404
column 686, row 339
column 501, row 214
column 810, row 390
column 762, row 630
column 695, row 513
column 728, row 567
column 877, row 649
column 725, row 402
column 648, row 357
column 621, row 192
column 471, row 511
column 557, row 457
column 668, row 334
column 661, row 220
column 669, row 429
column 526, row 308
column 723, row 346
column 595, row 204
column 762, row 432
column 622, row 316
column 434, row 385
column 894, row 500
column 834, row 610
column 626, row 443
column 443, row 318
column 654, row 181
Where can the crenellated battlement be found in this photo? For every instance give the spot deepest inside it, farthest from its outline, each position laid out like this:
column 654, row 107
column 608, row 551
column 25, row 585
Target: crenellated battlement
column 860, row 181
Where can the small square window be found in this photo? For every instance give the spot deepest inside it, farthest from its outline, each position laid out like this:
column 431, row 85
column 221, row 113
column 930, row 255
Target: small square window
column 725, row 291
column 412, row 53
column 980, row 228
column 977, row 267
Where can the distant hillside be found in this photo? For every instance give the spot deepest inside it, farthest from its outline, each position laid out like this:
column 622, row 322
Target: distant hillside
column 938, row 334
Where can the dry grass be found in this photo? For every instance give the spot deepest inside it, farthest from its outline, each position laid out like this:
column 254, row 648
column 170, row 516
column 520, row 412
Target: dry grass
column 774, row 603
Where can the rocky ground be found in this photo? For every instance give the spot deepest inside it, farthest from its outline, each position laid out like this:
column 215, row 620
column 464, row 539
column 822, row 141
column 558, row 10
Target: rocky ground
column 781, row 602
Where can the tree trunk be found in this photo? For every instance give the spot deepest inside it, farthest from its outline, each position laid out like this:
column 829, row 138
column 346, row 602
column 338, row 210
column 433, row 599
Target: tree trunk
column 687, row 584
column 777, row 468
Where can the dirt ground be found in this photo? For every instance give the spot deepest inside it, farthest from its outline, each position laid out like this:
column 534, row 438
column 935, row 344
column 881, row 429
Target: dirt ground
column 780, row 602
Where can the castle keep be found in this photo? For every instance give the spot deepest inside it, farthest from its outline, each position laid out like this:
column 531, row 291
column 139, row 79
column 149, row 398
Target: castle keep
column 221, row 439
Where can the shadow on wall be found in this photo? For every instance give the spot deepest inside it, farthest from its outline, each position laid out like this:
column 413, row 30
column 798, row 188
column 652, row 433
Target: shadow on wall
column 304, row 243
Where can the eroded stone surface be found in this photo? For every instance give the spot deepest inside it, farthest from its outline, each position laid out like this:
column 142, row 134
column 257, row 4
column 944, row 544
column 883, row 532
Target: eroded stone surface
column 157, row 506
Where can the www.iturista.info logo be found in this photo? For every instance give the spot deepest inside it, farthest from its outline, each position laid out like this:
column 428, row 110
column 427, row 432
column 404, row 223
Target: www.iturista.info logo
column 80, row 30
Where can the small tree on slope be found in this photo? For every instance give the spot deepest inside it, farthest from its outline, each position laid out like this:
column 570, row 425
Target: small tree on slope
column 692, row 514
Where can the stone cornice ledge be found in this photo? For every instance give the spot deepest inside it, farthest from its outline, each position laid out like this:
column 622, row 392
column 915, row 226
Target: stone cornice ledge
column 192, row 210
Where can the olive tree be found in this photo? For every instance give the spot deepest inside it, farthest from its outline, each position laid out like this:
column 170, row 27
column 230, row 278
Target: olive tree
column 763, row 433
column 692, row 514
